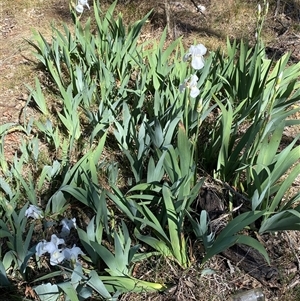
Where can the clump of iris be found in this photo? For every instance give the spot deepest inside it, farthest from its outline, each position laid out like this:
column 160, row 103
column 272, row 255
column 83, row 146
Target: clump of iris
column 58, row 253
column 56, row 246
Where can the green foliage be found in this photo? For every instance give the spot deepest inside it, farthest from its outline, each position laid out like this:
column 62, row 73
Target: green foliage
column 255, row 102
column 229, row 237
column 12, row 227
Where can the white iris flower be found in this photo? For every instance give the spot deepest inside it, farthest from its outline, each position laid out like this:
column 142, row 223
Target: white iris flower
column 192, row 85
column 72, row 254
column 196, row 52
column 67, row 225
column 34, row 212
column 80, row 6
column 49, row 247
column 57, row 257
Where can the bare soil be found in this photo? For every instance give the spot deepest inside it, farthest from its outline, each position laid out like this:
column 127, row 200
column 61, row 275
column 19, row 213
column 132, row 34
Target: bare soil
column 235, row 19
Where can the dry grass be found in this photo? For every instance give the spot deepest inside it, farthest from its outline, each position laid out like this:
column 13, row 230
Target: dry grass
column 235, row 19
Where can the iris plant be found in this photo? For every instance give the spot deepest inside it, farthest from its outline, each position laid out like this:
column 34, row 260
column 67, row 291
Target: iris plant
column 59, row 254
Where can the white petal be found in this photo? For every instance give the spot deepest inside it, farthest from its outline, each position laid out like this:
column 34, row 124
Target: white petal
column 34, row 212
column 49, row 247
column 194, row 92
column 40, row 248
column 57, row 241
column 28, row 212
column 74, row 222
column 72, row 253
column 67, row 253
column 197, row 62
column 36, row 215
column 84, row 3
column 192, row 50
column 79, row 8
column 67, row 225
column 193, row 80
column 77, row 251
column 200, row 49
column 56, row 257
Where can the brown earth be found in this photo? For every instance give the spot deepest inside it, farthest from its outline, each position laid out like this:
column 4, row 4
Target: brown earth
column 235, row 19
